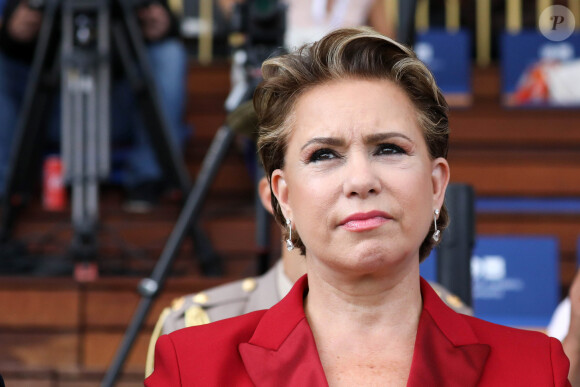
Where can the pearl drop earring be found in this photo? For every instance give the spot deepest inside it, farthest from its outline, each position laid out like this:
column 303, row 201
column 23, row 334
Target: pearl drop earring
column 289, row 244
column 437, row 233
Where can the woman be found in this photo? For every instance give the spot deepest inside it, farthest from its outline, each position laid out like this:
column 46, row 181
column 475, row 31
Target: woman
column 353, row 135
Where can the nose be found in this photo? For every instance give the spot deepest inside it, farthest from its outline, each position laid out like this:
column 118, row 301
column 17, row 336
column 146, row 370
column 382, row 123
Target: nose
column 360, row 178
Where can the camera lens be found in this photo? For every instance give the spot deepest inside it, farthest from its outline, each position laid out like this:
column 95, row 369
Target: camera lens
column 84, row 29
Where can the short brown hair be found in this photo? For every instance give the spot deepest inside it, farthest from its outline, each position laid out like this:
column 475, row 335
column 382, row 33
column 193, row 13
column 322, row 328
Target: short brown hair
column 346, row 53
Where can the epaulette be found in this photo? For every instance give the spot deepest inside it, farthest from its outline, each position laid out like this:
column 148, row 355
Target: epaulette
column 451, row 300
column 153, row 340
column 219, row 295
column 195, row 309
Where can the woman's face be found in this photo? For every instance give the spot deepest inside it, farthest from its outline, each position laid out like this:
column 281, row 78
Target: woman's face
column 358, row 182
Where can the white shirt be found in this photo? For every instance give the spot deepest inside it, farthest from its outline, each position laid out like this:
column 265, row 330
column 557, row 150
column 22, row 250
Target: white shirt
column 309, row 20
column 560, row 322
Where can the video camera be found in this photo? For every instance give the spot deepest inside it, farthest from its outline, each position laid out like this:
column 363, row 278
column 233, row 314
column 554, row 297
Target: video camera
column 85, row 17
column 76, row 45
column 40, row 5
column 263, row 24
column 262, row 21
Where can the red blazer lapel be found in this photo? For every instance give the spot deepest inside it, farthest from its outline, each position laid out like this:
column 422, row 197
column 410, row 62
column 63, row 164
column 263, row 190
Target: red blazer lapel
column 447, row 352
column 286, row 355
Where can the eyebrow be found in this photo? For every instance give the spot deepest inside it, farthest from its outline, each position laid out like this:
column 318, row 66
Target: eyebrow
column 324, row 141
column 378, row 137
column 370, row 139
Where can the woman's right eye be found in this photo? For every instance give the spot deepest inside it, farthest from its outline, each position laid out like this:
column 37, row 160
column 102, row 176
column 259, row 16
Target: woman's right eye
column 322, row 154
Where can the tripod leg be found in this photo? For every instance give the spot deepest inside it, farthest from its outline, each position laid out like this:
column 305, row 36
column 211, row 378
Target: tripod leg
column 85, row 181
column 149, row 287
column 35, row 109
column 156, row 124
column 85, row 86
column 25, row 146
column 128, row 40
column 77, row 137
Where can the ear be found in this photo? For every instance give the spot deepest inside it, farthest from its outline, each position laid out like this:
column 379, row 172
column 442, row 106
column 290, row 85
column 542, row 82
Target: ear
column 440, row 179
column 265, row 194
column 280, row 190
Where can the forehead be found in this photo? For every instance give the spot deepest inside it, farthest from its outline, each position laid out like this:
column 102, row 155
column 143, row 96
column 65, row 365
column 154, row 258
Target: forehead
column 354, row 106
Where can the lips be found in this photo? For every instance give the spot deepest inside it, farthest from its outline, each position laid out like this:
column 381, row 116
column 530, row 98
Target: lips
column 364, row 221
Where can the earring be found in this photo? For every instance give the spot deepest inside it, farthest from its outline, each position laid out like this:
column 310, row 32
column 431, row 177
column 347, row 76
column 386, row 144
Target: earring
column 437, row 233
column 289, row 244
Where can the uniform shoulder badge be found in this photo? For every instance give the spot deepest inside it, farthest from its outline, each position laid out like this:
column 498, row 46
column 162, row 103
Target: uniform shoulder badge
column 195, row 315
column 451, row 300
column 209, row 305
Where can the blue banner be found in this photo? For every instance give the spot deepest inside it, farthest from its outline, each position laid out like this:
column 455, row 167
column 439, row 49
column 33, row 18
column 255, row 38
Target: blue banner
column 536, row 71
column 447, row 55
column 515, row 279
column 428, row 267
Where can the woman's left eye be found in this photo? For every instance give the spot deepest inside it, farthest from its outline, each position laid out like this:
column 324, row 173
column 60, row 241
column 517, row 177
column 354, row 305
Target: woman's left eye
column 389, row 149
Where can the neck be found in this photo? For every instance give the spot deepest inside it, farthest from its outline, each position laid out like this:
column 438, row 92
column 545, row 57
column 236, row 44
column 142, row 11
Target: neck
column 294, row 264
column 384, row 304
column 365, row 326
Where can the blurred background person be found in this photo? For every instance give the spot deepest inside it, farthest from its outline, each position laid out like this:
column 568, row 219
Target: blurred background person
column 309, row 20
column 142, row 176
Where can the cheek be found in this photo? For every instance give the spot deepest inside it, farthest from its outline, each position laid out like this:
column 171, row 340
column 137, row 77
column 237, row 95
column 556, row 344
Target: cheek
column 307, row 189
column 311, row 203
column 415, row 194
column 424, row 204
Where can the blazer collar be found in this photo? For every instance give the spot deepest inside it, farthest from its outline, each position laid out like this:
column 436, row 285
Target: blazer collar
column 447, row 351
column 282, row 351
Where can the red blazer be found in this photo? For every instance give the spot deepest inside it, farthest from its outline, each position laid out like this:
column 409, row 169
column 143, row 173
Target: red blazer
column 275, row 347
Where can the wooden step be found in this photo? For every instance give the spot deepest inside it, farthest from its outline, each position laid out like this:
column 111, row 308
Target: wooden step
column 59, row 324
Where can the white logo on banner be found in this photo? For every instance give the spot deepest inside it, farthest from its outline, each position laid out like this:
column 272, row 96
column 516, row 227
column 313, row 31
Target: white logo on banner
column 426, row 54
column 556, row 51
column 490, row 279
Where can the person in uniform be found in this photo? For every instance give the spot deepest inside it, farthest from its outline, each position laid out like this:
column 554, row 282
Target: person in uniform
column 234, row 298
column 249, row 294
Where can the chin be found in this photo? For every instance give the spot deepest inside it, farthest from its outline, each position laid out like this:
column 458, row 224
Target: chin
column 370, row 258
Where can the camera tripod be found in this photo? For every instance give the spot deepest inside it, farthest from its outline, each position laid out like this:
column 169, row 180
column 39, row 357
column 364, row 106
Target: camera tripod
column 81, row 59
column 263, row 26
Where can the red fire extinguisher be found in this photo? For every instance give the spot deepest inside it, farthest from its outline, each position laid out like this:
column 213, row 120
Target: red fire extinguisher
column 54, row 197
